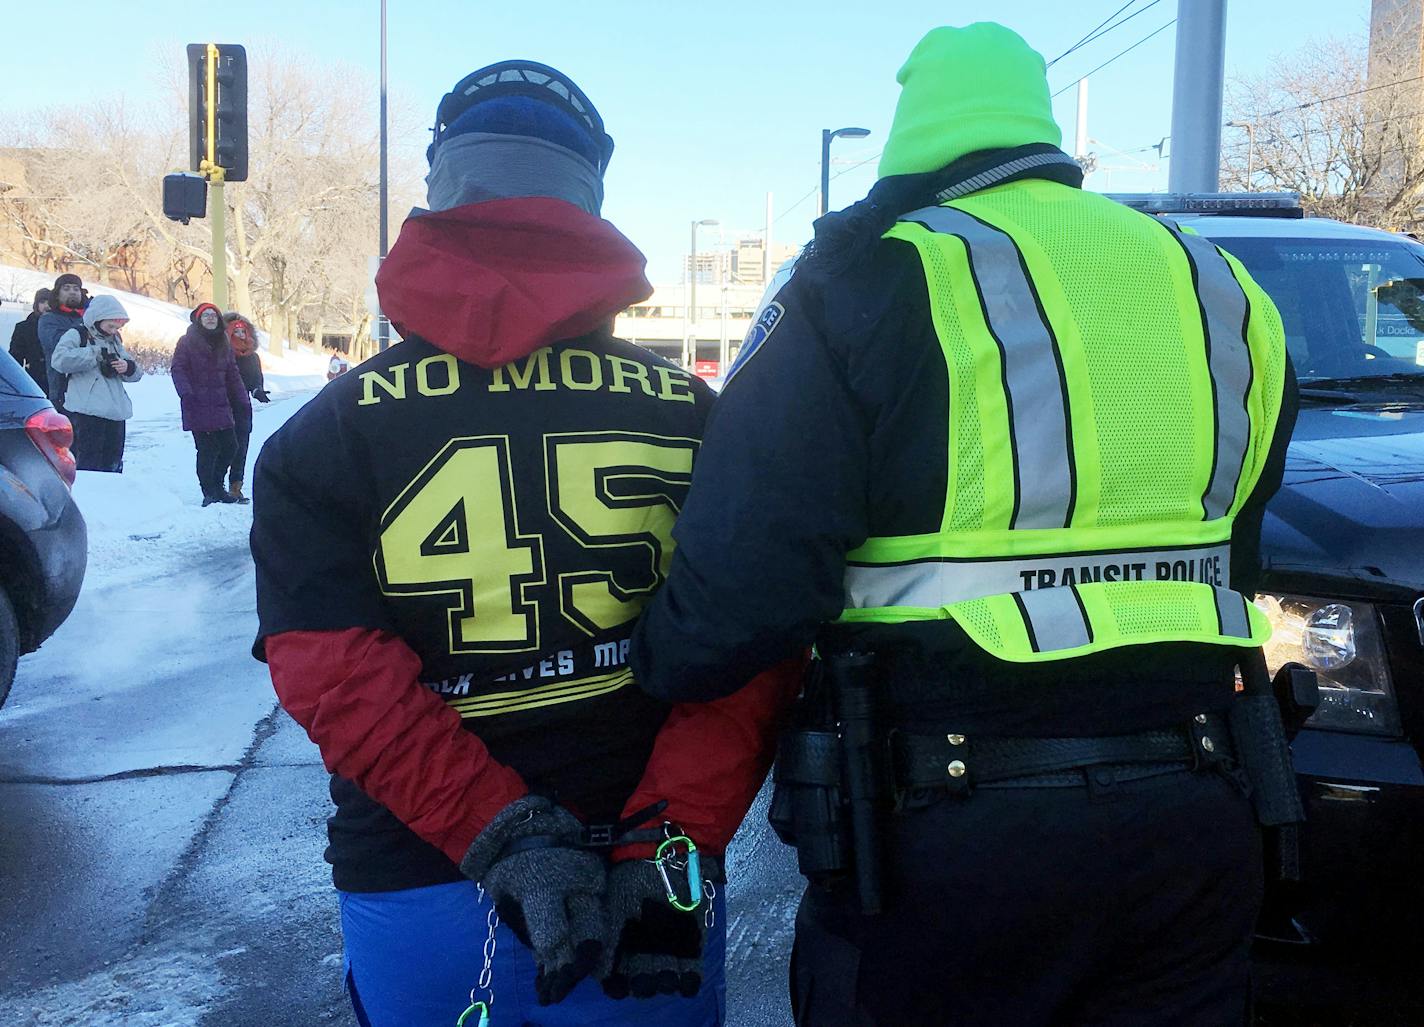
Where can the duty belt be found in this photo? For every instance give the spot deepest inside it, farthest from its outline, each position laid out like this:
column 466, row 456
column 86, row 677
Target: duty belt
column 956, row 763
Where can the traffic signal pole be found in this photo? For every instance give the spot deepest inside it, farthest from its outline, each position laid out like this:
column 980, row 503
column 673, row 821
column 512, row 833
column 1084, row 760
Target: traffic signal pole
column 215, row 173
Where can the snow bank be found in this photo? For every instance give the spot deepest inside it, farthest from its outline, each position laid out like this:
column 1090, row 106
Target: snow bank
column 149, row 318
column 125, row 506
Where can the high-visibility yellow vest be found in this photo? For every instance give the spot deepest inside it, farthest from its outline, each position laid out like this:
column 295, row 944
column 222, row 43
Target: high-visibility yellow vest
column 1114, row 385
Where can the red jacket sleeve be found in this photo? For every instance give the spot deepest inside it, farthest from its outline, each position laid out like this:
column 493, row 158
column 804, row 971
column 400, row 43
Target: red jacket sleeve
column 709, row 759
column 357, row 693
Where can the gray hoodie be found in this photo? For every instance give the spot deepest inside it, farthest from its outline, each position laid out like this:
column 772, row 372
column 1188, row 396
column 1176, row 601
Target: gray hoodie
column 89, row 390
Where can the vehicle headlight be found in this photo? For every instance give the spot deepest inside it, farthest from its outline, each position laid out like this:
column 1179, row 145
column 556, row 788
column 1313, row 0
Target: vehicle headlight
column 1342, row 643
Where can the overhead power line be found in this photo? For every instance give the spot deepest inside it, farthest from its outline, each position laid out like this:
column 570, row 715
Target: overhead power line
column 1117, row 56
column 1104, row 28
column 816, row 188
column 1300, row 107
column 1341, row 96
column 1090, row 34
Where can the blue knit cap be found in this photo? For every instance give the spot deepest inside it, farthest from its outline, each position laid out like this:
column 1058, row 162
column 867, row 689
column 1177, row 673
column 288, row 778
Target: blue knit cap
column 525, row 116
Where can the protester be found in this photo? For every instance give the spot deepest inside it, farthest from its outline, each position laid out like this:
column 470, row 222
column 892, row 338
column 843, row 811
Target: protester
column 446, row 586
column 242, row 337
column 66, row 311
column 96, row 364
column 25, row 342
column 211, row 391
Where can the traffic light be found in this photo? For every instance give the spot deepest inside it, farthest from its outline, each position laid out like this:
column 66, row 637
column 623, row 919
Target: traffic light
column 223, row 107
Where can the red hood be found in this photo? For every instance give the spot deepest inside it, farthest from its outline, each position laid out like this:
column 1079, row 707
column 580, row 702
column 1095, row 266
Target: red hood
column 492, row 282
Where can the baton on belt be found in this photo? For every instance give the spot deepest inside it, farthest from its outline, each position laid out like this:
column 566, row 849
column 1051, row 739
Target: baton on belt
column 853, row 688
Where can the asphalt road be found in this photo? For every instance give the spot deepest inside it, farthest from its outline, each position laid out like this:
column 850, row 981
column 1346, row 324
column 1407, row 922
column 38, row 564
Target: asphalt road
column 160, row 859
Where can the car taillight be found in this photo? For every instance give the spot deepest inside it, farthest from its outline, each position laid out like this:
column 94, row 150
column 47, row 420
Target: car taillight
column 52, row 435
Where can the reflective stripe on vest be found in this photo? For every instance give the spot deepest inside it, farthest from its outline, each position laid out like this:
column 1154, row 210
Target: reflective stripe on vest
column 1100, row 446
column 1040, row 437
column 1225, row 312
column 928, row 584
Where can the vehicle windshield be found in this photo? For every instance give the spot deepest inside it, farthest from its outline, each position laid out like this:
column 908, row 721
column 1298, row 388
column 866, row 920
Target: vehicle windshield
column 1350, row 309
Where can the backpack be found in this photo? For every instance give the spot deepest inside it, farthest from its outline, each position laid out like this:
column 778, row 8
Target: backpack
column 63, row 385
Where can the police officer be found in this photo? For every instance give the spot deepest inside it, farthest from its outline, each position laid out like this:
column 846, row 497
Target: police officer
column 1011, row 441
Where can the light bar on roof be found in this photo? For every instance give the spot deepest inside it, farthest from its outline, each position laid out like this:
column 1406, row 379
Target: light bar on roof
column 1206, row 203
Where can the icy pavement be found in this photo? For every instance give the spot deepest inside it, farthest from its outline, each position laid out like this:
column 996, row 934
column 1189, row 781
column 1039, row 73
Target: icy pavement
column 163, row 821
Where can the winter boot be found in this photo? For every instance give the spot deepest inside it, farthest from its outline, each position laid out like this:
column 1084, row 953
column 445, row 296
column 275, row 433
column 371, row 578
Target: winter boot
column 209, row 500
column 235, row 491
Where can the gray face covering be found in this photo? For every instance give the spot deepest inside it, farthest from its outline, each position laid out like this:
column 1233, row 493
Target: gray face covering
column 483, row 166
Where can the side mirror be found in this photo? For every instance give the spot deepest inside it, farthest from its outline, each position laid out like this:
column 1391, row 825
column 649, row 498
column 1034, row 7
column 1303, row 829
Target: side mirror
column 185, row 196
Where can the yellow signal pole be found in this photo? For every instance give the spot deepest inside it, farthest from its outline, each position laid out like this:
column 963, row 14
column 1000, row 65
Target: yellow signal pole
column 215, row 175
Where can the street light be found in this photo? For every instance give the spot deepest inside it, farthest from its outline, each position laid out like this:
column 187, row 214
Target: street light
column 826, row 136
column 689, row 352
column 1250, row 127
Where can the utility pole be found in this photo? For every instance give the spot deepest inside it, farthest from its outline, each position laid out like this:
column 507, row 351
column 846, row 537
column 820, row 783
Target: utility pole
column 766, row 245
column 383, row 326
column 1080, row 138
column 689, row 357
column 1196, row 97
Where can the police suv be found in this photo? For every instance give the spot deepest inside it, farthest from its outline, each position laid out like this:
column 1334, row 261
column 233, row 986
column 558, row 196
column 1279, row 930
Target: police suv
column 1343, row 550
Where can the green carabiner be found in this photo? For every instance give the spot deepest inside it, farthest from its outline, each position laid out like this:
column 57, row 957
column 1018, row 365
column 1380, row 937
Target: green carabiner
column 694, row 873
column 484, row 1015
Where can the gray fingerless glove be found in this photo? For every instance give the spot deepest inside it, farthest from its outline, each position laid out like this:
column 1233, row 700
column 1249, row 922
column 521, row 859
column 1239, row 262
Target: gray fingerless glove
column 547, row 891
column 652, row 948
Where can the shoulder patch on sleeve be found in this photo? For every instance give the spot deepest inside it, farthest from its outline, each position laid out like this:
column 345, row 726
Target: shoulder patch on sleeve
column 757, row 334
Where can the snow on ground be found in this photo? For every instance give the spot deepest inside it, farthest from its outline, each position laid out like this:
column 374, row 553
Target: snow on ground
column 155, row 505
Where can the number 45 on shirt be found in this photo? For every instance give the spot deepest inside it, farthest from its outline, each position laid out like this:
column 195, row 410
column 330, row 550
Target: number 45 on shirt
column 455, row 531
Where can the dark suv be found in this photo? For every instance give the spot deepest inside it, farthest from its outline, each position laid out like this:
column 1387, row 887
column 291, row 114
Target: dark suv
column 42, row 536
column 1343, row 546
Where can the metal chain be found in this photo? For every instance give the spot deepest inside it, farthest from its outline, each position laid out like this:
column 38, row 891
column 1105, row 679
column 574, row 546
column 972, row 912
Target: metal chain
column 486, row 974
column 491, row 943
column 709, row 919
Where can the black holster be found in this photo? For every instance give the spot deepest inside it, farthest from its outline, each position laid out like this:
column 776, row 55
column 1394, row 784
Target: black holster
column 829, row 777
column 1263, row 747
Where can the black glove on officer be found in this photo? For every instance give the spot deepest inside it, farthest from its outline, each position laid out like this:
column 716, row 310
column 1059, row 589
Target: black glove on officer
column 546, row 890
column 261, row 396
column 652, row 948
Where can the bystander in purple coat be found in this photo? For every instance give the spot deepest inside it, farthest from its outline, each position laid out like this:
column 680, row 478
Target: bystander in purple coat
column 206, row 377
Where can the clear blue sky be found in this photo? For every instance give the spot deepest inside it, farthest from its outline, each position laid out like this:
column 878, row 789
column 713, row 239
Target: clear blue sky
column 712, row 105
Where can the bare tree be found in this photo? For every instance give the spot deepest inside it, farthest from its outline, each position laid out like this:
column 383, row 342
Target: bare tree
column 299, row 231
column 1344, row 135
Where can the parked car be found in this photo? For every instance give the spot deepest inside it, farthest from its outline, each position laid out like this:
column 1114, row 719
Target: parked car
column 1343, row 548
column 43, row 542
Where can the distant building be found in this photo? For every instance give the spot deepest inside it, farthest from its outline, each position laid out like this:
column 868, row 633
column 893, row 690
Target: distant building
column 730, row 284
column 660, row 323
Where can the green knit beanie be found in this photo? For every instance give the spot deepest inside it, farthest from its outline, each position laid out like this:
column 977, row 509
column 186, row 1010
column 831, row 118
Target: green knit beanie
column 980, row 87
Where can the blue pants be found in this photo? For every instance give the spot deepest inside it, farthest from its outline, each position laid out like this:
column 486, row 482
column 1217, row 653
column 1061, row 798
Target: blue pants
column 413, row 956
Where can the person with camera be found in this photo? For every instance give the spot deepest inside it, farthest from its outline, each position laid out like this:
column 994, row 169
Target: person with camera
column 242, row 337
column 210, row 391
column 97, row 365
